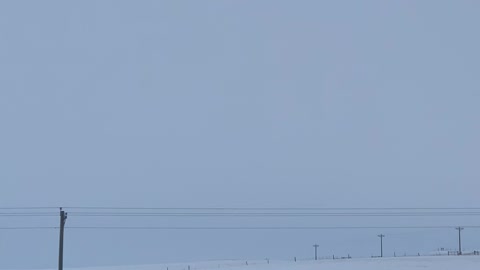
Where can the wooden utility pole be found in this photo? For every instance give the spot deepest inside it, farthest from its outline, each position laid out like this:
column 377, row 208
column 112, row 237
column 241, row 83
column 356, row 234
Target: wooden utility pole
column 381, row 244
column 460, row 229
column 63, row 219
column 316, row 246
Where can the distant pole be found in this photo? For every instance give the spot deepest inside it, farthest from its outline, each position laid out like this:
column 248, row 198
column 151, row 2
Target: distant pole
column 381, row 244
column 316, row 247
column 459, row 229
column 63, row 219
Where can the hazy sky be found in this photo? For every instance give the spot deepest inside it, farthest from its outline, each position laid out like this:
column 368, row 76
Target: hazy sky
column 235, row 104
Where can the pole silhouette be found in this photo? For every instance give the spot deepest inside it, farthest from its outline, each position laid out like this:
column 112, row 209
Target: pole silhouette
column 63, row 219
column 381, row 244
column 459, row 229
column 316, row 246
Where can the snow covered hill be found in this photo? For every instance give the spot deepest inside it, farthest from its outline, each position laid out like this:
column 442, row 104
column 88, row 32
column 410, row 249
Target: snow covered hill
column 404, row 263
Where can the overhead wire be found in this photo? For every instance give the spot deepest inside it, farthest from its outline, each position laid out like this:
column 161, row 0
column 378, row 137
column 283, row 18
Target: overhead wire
column 260, row 227
column 270, row 214
column 226, row 212
column 271, row 208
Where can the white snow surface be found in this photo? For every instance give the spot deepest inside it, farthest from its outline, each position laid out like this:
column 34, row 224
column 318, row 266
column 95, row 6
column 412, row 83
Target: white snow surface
column 399, row 263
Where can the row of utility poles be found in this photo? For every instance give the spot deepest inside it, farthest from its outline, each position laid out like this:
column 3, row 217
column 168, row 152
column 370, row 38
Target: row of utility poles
column 63, row 220
column 459, row 229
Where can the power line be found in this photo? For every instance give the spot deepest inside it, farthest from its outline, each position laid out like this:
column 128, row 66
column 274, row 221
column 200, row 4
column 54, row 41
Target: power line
column 259, row 227
column 29, row 228
column 28, row 208
column 270, row 214
column 251, row 208
column 238, row 227
column 251, row 212
column 272, row 208
column 27, row 214
column 233, row 228
column 193, row 214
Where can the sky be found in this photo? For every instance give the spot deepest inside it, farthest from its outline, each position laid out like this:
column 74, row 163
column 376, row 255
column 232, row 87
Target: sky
column 235, row 104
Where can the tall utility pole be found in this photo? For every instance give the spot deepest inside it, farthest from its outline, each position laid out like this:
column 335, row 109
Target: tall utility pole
column 381, row 244
column 63, row 219
column 459, row 229
column 316, row 246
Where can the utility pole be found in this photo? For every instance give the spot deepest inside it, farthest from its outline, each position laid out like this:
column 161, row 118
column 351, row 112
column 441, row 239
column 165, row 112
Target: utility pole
column 316, row 246
column 459, row 229
column 381, row 244
column 63, row 219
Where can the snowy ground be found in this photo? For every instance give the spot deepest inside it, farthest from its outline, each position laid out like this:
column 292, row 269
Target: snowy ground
column 404, row 263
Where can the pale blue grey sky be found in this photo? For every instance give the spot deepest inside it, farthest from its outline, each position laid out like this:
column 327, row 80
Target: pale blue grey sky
column 234, row 104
